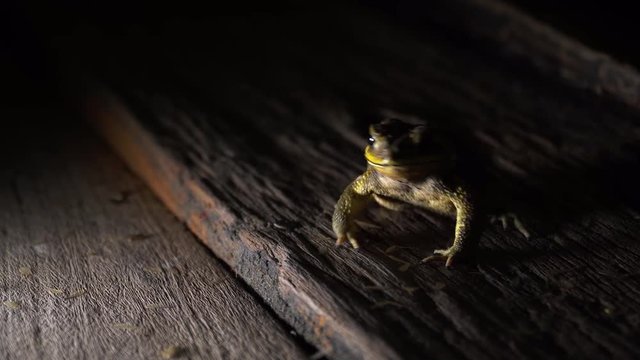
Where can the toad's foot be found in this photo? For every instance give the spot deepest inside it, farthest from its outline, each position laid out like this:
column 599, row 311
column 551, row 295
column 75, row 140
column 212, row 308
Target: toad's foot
column 350, row 237
column 504, row 220
column 450, row 255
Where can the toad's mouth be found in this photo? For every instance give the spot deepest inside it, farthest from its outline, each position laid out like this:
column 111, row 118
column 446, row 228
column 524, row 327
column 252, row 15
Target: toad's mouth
column 419, row 161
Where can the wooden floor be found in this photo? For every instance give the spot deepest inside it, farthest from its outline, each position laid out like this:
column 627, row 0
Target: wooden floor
column 247, row 128
column 93, row 266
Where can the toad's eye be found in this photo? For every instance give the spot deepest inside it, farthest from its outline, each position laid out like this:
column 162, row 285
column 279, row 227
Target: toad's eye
column 371, row 140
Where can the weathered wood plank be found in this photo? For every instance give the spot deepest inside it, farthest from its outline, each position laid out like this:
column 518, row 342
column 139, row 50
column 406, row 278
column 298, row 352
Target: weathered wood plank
column 533, row 42
column 94, row 267
column 250, row 133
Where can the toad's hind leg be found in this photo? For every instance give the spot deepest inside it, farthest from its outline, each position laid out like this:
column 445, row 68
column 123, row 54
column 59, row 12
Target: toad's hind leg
column 466, row 239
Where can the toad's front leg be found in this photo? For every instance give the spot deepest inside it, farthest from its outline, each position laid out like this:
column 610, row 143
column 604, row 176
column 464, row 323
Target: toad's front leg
column 351, row 204
column 465, row 242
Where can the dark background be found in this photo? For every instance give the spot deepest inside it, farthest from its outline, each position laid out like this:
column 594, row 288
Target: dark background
column 29, row 66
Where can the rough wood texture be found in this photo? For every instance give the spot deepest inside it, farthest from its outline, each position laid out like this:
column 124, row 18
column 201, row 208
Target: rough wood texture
column 249, row 129
column 520, row 36
column 94, row 267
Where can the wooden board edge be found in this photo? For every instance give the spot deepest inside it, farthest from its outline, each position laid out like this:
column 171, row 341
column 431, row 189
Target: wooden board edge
column 294, row 291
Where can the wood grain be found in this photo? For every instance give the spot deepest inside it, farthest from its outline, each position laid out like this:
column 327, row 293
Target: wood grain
column 518, row 35
column 94, row 267
column 250, row 132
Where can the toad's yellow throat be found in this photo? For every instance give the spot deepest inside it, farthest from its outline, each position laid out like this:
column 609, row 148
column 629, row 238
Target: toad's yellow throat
column 418, row 161
column 412, row 168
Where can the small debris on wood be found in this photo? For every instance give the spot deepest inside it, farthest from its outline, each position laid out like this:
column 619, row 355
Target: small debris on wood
column 54, row 291
column 281, row 227
column 172, row 352
column 155, row 270
column 13, row 305
column 121, row 197
column 283, row 224
column 410, row 289
column 558, row 239
column 25, row 271
column 608, row 311
column 41, row 249
column 76, row 294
